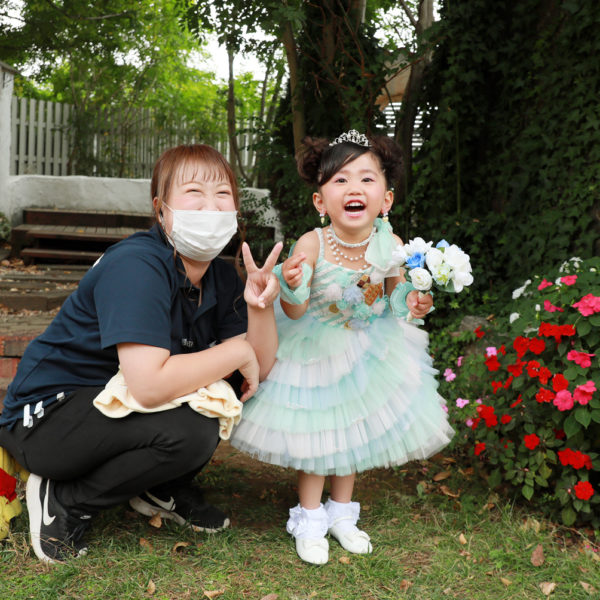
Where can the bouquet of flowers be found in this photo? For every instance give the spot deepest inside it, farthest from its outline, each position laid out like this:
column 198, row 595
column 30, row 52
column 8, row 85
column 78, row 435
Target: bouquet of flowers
column 447, row 265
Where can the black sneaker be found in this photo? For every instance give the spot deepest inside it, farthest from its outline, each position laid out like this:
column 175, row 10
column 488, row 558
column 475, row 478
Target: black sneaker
column 55, row 532
column 185, row 506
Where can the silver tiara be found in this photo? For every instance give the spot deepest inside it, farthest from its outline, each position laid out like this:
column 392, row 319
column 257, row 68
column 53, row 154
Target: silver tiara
column 353, row 137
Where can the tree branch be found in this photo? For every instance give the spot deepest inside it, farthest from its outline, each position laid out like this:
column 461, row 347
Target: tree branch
column 409, row 14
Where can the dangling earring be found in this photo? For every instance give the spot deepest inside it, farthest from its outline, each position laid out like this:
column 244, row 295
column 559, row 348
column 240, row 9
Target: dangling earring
column 322, row 216
column 385, row 216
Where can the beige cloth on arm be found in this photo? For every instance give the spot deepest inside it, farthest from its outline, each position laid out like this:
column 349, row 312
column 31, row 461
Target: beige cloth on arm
column 217, row 400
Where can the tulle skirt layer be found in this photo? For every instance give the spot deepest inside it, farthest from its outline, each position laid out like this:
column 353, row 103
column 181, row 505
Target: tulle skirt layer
column 340, row 401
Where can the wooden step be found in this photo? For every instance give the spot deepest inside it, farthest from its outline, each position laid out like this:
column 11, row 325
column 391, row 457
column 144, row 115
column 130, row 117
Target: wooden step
column 110, row 235
column 60, row 255
column 87, row 218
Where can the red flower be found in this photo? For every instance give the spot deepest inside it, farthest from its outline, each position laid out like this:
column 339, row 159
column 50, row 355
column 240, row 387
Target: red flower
column 531, row 441
column 505, row 419
column 517, row 401
column 508, row 382
column 7, row 486
column 559, row 434
column 479, row 332
column 575, row 458
column 559, row 382
column 584, row 490
column 502, row 349
column 544, row 284
column 492, row 363
column 537, row 345
column 556, row 331
column 521, row 345
column 475, row 423
column 544, row 375
column 479, row 448
column 544, row 395
column 496, row 385
column 533, row 368
column 516, row 369
column 564, row 456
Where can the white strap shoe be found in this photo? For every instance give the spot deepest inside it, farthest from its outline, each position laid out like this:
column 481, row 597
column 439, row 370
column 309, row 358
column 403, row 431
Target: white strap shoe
column 314, row 551
column 309, row 528
column 342, row 519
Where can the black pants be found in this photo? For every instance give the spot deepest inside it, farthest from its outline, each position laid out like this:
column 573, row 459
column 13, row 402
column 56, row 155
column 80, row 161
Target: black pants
column 98, row 462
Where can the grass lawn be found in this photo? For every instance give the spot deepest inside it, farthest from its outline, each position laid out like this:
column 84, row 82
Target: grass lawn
column 436, row 531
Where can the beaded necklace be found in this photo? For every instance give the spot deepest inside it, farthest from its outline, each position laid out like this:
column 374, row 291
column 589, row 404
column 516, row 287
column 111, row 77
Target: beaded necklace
column 335, row 243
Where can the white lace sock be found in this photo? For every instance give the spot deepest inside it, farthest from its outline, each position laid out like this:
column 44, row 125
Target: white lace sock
column 307, row 523
column 342, row 514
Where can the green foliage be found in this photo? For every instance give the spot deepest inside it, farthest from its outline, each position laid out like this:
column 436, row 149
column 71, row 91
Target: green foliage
column 4, row 228
column 533, row 389
column 510, row 165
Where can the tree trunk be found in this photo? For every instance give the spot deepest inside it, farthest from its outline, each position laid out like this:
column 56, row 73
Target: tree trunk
column 231, row 112
column 298, row 118
column 410, row 101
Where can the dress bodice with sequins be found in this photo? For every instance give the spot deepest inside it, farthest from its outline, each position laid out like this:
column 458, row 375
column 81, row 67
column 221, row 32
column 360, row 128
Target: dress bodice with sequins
column 344, row 297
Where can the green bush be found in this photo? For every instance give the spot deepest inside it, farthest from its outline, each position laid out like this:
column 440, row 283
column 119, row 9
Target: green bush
column 4, row 228
column 529, row 407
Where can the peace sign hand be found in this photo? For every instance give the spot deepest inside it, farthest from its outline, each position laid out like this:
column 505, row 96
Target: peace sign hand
column 262, row 287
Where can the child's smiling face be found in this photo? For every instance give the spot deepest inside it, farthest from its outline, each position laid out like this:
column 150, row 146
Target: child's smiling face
column 355, row 195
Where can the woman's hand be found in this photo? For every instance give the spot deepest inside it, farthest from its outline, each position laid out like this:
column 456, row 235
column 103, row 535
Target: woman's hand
column 250, row 372
column 292, row 270
column 419, row 304
column 262, row 287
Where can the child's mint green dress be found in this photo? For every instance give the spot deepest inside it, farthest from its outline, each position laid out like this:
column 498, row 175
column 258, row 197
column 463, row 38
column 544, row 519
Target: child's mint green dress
column 353, row 386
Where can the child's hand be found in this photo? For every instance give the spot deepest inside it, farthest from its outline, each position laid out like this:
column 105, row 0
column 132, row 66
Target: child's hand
column 419, row 304
column 292, row 270
column 262, row 287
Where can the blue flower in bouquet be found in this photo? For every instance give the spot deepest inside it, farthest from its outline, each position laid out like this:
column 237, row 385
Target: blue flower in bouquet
column 415, row 261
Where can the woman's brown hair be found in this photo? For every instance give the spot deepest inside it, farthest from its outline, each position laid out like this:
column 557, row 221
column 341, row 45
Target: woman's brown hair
column 174, row 162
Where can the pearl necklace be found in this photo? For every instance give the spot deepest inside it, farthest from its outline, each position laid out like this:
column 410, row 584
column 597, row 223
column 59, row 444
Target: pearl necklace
column 340, row 242
column 335, row 243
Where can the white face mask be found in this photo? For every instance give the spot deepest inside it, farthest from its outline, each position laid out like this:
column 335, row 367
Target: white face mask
column 202, row 234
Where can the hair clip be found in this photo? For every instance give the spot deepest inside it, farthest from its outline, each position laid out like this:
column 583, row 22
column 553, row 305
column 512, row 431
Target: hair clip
column 352, row 137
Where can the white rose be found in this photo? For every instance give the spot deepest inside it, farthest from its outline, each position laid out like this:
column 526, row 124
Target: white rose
column 418, row 245
column 399, row 255
column 461, row 279
column 434, row 258
column 513, row 317
column 421, row 279
column 457, row 259
column 441, row 273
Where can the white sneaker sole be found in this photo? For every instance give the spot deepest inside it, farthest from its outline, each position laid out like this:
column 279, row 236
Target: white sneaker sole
column 148, row 510
column 34, row 508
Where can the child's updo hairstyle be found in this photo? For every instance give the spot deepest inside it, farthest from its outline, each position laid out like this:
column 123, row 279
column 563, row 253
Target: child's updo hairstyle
column 318, row 161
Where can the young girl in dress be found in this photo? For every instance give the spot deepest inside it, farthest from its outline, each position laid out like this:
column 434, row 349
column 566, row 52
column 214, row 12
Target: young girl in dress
column 353, row 386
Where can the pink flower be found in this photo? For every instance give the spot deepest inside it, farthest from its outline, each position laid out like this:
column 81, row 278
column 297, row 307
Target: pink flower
column 478, row 401
column 583, row 393
column 449, row 375
column 459, row 361
column 491, row 351
column 568, row 279
column 563, row 400
column 444, row 408
column 551, row 308
column 544, row 284
column 588, row 305
column 469, row 422
column 461, row 402
column 583, row 359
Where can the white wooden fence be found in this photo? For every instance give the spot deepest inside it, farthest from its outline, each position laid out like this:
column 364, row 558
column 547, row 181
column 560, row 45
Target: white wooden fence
column 39, row 135
column 117, row 145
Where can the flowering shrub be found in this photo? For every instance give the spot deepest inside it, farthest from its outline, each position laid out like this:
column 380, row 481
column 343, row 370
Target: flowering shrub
column 529, row 405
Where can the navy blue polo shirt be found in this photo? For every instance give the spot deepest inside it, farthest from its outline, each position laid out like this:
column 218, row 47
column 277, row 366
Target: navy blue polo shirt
column 137, row 292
